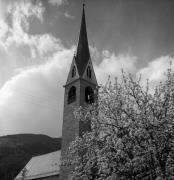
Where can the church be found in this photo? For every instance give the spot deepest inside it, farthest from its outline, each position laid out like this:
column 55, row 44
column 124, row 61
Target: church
column 80, row 90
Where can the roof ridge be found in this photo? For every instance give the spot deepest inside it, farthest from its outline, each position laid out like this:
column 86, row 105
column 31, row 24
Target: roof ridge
column 45, row 154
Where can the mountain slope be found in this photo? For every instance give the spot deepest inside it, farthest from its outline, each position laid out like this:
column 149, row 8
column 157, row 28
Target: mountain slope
column 17, row 150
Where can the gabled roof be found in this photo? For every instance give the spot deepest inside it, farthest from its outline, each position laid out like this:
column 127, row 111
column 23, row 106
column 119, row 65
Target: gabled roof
column 82, row 55
column 42, row 166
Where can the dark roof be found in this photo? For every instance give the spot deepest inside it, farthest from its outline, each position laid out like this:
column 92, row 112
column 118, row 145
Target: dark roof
column 82, row 55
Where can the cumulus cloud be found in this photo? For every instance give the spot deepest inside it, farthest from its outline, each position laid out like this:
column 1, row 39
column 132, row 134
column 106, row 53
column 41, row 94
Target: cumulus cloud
column 30, row 95
column 112, row 65
column 32, row 101
column 155, row 70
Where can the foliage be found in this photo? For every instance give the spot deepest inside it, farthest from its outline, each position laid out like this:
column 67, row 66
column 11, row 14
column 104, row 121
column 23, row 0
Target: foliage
column 132, row 134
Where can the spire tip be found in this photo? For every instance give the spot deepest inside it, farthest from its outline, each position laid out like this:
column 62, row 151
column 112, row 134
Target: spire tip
column 83, row 3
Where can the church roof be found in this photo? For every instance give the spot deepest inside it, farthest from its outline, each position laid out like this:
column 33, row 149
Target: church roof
column 82, row 55
column 42, row 166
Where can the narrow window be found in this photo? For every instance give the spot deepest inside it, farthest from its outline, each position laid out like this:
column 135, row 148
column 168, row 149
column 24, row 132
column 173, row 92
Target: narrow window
column 89, row 95
column 89, row 72
column 72, row 95
column 73, row 71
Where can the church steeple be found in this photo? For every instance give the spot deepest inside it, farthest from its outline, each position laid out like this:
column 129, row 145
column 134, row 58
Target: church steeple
column 80, row 90
column 82, row 56
column 81, row 66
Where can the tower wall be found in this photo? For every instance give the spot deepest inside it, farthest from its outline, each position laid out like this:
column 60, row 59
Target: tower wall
column 71, row 126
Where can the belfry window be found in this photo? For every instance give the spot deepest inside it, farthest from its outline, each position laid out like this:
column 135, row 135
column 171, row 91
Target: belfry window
column 72, row 95
column 89, row 95
column 73, row 71
column 89, row 72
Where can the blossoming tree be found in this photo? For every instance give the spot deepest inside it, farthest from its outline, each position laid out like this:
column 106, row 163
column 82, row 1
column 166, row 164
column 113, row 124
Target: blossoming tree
column 132, row 133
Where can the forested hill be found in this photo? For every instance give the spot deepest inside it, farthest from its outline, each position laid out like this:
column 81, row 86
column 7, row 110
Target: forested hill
column 16, row 151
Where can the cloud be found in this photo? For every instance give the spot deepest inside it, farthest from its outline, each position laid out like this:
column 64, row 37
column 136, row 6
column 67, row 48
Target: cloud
column 32, row 67
column 112, row 65
column 15, row 24
column 109, row 64
column 155, row 70
column 17, row 31
column 44, row 45
column 69, row 16
column 32, row 101
column 58, row 2
column 19, row 48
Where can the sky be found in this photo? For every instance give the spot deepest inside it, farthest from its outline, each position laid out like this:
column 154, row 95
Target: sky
column 38, row 39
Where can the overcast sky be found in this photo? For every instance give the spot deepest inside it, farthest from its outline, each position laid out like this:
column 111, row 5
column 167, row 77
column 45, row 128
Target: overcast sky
column 38, row 40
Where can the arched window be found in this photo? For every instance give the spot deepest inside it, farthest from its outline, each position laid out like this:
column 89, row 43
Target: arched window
column 89, row 95
column 73, row 71
column 72, row 95
column 89, row 72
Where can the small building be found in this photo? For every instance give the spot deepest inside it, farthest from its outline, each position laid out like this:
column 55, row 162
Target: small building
column 43, row 167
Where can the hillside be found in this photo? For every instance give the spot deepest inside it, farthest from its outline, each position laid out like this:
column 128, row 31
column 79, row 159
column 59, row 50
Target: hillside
column 16, row 151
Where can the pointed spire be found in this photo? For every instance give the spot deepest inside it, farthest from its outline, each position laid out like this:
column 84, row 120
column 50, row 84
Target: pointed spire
column 82, row 55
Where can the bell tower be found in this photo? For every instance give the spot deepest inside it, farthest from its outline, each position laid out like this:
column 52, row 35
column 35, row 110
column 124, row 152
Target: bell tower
column 80, row 90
